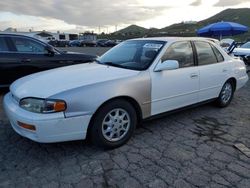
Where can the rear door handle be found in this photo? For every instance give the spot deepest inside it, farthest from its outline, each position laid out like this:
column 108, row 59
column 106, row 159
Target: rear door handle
column 26, row 60
column 194, row 75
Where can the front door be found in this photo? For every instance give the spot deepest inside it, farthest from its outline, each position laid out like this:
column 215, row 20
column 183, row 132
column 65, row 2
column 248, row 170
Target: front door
column 173, row 89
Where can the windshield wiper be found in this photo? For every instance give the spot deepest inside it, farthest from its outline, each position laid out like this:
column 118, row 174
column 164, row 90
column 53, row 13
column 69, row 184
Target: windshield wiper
column 113, row 64
column 109, row 64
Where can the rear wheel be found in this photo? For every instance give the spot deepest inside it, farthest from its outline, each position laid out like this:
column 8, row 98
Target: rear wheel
column 114, row 124
column 226, row 94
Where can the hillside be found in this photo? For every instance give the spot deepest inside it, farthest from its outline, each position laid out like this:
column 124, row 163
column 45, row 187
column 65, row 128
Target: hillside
column 189, row 29
column 132, row 29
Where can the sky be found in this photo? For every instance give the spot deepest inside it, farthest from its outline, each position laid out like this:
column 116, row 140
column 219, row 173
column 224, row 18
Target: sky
column 106, row 15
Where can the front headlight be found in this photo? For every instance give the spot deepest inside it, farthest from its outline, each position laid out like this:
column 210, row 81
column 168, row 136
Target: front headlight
column 42, row 105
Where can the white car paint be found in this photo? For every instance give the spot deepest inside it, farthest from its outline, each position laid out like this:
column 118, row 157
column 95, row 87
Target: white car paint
column 49, row 127
column 66, row 78
column 212, row 78
column 174, row 89
column 170, row 89
column 241, row 51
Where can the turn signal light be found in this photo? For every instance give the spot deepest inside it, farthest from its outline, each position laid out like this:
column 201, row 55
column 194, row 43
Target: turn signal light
column 59, row 106
column 26, row 126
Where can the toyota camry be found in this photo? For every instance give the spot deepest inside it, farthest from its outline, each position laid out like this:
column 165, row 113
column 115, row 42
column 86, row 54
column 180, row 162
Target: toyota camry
column 136, row 80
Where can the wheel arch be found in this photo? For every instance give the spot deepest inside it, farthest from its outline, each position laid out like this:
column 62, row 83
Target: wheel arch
column 233, row 81
column 128, row 99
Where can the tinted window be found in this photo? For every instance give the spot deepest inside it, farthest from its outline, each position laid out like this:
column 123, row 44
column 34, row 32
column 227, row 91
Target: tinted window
column 27, row 45
column 219, row 56
column 205, row 53
column 182, row 52
column 3, row 45
column 62, row 37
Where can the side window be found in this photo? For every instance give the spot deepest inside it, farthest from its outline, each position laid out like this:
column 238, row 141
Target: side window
column 205, row 53
column 3, row 45
column 27, row 45
column 219, row 56
column 182, row 52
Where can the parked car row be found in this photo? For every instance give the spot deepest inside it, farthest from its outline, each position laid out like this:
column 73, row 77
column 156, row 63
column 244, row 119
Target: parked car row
column 22, row 55
column 84, row 43
column 134, row 81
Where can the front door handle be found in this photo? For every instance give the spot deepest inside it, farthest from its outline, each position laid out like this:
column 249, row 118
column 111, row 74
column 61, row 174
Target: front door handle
column 194, row 75
column 26, row 60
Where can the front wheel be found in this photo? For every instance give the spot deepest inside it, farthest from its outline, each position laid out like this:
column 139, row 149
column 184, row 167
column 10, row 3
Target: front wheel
column 114, row 124
column 226, row 94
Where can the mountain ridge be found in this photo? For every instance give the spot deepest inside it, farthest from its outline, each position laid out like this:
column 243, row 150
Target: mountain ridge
column 240, row 15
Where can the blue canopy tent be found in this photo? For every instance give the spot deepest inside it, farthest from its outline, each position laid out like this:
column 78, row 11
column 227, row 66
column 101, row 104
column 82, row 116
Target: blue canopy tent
column 220, row 29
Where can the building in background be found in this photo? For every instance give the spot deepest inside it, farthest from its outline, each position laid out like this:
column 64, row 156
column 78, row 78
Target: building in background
column 45, row 36
column 88, row 36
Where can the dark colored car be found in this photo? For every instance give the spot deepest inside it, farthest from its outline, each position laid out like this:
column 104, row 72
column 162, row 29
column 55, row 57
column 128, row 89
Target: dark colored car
column 82, row 43
column 22, row 55
column 110, row 43
column 88, row 43
column 75, row 43
column 101, row 42
column 59, row 43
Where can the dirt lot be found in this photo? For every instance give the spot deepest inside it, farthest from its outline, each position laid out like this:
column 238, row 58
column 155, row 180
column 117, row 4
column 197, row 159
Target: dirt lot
column 192, row 148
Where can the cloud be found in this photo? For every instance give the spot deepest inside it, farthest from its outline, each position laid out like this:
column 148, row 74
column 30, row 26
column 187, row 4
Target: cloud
column 89, row 13
column 225, row 3
column 196, row 3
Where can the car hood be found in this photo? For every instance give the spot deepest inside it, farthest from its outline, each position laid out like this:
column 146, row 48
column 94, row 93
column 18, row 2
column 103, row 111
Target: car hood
column 48, row 83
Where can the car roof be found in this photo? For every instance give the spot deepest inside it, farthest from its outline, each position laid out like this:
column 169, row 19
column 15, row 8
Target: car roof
column 172, row 39
column 15, row 34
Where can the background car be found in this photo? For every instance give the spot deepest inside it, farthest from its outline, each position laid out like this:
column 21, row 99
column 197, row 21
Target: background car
column 110, row 43
column 75, row 43
column 22, row 55
column 88, row 43
column 243, row 51
column 101, row 42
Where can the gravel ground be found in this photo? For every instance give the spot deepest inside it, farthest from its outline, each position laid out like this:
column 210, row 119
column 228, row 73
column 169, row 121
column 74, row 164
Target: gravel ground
column 192, row 148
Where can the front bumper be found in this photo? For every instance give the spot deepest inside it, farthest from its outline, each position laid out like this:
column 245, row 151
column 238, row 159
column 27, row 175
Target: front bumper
column 50, row 128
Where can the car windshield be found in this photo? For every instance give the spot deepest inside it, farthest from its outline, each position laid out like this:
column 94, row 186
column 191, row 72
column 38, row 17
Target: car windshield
column 246, row 45
column 133, row 54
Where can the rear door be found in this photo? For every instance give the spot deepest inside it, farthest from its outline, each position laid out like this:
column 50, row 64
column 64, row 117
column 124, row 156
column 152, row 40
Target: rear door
column 213, row 70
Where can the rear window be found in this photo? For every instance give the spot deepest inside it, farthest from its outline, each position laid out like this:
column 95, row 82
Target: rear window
column 219, row 56
column 205, row 53
column 3, row 45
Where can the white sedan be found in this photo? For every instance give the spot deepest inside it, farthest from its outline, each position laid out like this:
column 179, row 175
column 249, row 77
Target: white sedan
column 136, row 80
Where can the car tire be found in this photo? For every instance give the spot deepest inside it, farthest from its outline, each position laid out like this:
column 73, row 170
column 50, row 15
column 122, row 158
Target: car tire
column 226, row 95
column 113, row 124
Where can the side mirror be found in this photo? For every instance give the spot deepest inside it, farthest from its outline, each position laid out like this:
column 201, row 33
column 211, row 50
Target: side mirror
column 167, row 65
column 50, row 50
